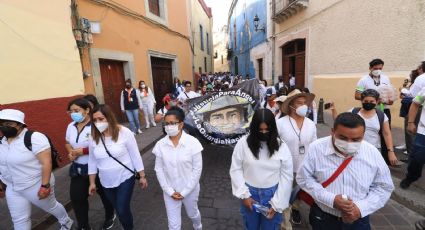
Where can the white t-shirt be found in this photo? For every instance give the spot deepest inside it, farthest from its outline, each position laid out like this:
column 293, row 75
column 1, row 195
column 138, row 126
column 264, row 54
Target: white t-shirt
column 367, row 82
column 372, row 129
column 19, row 167
column 420, row 99
column 178, row 169
column 289, row 134
column 418, row 85
column 111, row 173
column 183, row 96
column 79, row 140
column 264, row 172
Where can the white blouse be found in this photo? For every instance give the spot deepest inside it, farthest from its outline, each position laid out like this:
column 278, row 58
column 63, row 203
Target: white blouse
column 150, row 97
column 289, row 134
column 263, row 172
column 178, row 169
column 111, row 173
column 79, row 139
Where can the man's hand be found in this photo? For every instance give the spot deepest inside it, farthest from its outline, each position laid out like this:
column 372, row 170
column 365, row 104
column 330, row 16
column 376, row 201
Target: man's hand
column 92, row 189
column 43, row 193
column 143, row 182
column 248, row 202
column 352, row 216
column 346, row 206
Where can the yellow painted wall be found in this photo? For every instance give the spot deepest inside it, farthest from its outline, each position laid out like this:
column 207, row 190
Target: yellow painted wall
column 340, row 88
column 38, row 54
column 199, row 17
column 131, row 35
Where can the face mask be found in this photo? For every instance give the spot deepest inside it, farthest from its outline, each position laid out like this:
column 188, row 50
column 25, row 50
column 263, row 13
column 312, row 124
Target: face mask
column 368, row 106
column 263, row 136
column 101, row 126
column 376, row 73
column 172, row 130
column 128, row 86
column 143, row 86
column 8, row 131
column 346, row 147
column 302, row 110
column 77, row 117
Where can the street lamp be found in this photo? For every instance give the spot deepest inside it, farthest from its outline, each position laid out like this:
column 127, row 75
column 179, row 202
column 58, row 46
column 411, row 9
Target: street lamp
column 256, row 22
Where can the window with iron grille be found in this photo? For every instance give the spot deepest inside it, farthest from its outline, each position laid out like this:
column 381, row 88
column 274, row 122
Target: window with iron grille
column 154, row 7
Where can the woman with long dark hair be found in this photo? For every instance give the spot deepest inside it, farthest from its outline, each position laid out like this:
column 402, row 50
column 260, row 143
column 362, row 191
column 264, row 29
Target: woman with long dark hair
column 78, row 135
column 115, row 156
column 261, row 173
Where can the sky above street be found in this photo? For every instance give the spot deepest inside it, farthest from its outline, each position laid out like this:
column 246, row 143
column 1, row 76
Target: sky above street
column 220, row 11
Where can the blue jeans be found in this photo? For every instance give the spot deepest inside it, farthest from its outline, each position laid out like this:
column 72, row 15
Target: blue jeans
column 133, row 119
column 120, row 198
column 416, row 159
column 320, row 220
column 254, row 220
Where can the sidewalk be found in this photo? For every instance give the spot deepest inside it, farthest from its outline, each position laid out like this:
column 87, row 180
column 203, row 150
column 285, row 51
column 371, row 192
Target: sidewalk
column 40, row 219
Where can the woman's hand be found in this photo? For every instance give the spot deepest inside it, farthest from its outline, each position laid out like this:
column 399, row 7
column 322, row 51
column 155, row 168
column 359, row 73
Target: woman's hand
column 392, row 158
column 248, row 202
column 271, row 214
column 411, row 128
column 177, row 196
column 92, row 189
column 43, row 193
column 143, row 182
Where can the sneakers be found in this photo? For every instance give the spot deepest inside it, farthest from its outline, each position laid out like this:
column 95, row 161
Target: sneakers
column 401, row 147
column 139, row 131
column 108, row 224
column 295, row 217
column 67, row 225
column 154, row 124
column 405, row 153
column 147, row 126
column 405, row 183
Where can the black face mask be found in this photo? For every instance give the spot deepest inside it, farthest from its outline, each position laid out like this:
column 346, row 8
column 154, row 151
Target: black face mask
column 369, row 106
column 128, row 86
column 9, row 131
column 263, row 136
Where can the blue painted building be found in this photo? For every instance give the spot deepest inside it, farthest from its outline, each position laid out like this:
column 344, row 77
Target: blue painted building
column 242, row 34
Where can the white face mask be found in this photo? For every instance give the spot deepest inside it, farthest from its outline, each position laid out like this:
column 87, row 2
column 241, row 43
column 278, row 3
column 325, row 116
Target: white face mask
column 172, row 130
column 346, row 147
column 143, row 86
column 302, row 110
column 101, row 126
column 376, row 72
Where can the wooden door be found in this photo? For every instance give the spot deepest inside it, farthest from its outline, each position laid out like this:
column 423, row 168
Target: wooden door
column 300, row 70
column 162, row 75
column 260, row 69
column 113, row 82
column 285, row 69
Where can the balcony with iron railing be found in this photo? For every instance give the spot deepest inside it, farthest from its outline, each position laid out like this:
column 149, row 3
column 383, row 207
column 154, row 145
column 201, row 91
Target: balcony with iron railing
column 285, row 9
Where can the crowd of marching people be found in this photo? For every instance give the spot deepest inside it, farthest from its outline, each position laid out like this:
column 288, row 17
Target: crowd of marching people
column 279, row 164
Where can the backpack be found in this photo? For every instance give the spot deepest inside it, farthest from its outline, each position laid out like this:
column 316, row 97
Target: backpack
column 381, row 118
column 56, row 159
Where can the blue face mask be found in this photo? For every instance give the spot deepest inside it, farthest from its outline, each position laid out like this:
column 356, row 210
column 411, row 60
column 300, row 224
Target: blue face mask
column 77, row 117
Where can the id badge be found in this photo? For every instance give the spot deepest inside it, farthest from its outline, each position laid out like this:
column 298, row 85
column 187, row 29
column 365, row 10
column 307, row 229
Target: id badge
column 131, row 99
column 301, row 149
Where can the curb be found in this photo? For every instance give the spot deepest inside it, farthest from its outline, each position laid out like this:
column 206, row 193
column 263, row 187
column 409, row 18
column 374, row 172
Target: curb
column 49, row 219
column 411, row 198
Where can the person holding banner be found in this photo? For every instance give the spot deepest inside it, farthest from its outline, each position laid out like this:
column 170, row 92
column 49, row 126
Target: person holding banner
column 346, row 177
column 261, row 173
column 299, row 132
column 178, row 167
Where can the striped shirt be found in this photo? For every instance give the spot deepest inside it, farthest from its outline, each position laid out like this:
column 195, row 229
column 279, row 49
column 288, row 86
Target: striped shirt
column 366, row 180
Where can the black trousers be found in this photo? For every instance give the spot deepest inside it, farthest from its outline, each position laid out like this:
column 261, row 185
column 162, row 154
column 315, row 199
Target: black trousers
column 320, row 220
column 79, row 192
column 388, row 113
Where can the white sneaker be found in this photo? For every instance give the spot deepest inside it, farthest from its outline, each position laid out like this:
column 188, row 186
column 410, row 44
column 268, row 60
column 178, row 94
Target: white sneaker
column 67, row 225
column 154, row 125
column 406, row 153
column 401, row 147
column 139, row 131
column 147, row 126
